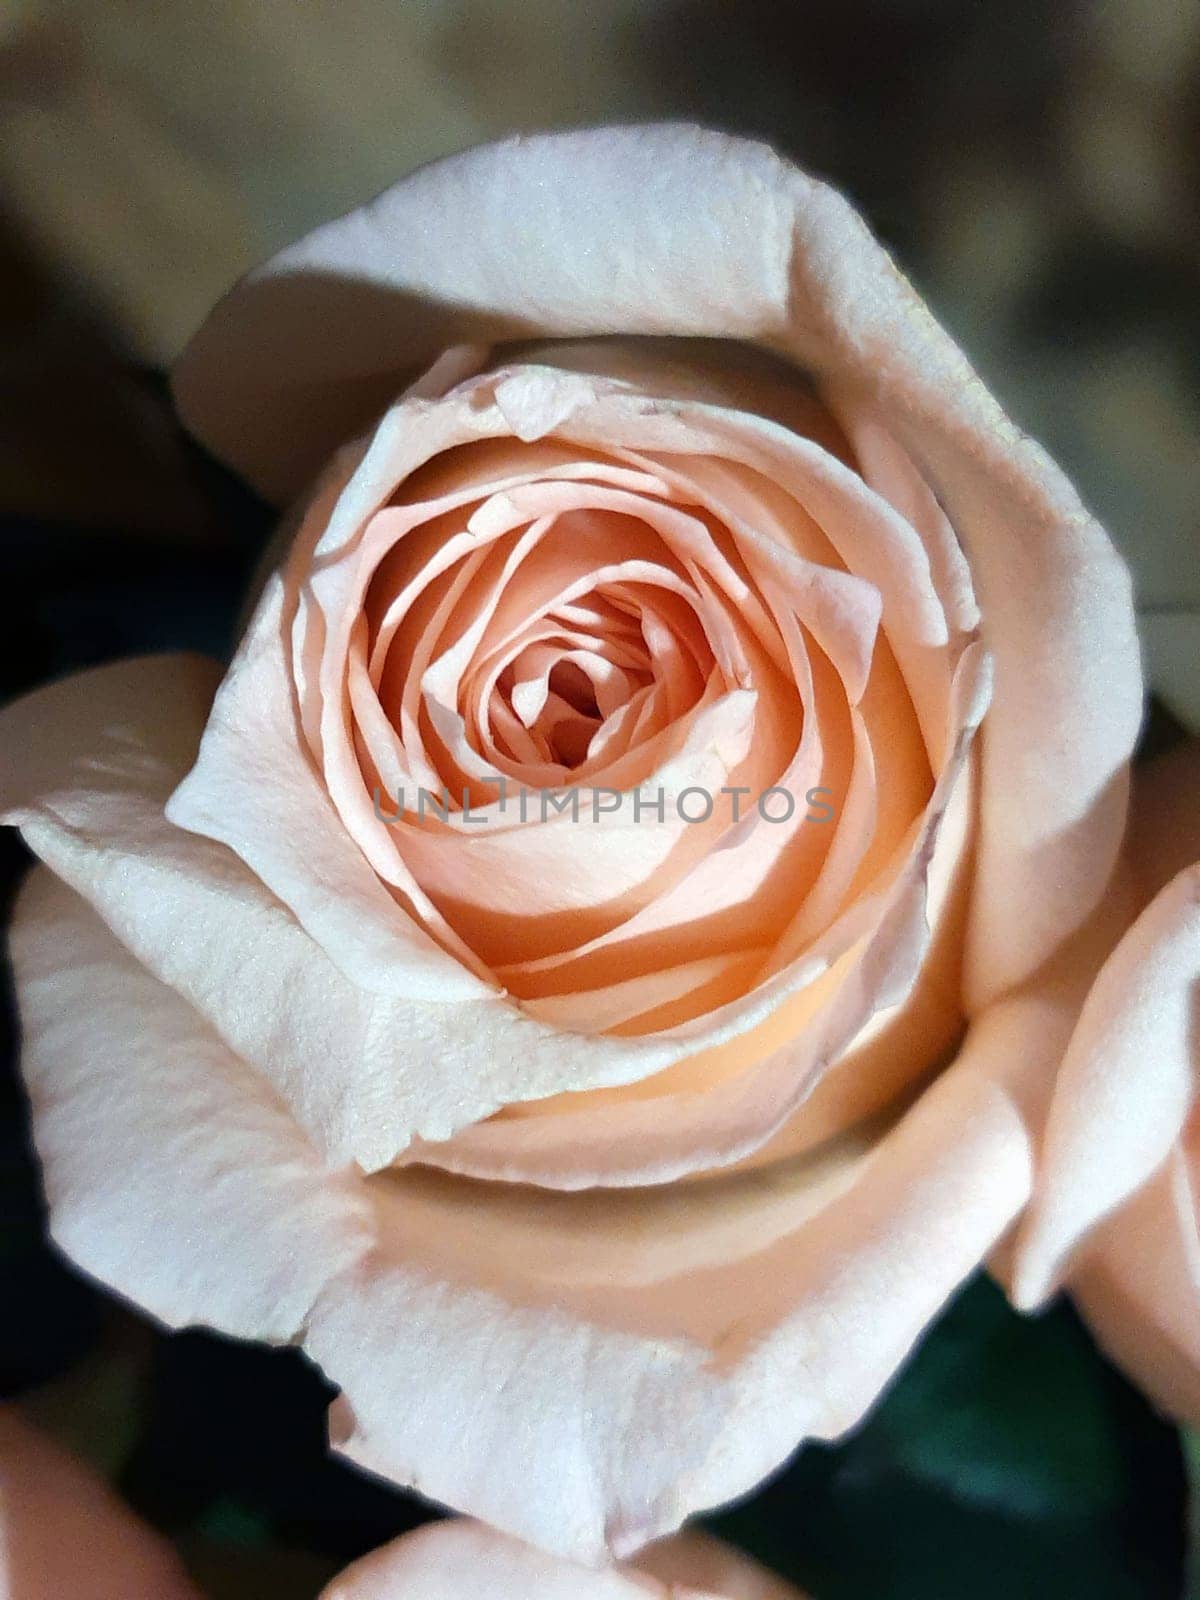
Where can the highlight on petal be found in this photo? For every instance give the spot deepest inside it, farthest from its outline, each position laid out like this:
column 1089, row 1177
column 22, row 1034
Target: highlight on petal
column 64, row 1535
column 461, row 1560
column 443, row 258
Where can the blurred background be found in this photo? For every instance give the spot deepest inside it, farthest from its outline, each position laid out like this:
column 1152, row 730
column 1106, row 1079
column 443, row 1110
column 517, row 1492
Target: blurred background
column 1035, row 168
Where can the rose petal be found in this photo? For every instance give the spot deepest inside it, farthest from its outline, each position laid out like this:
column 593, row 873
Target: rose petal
column 697, row 1560
column 171, row 1172
column 1139, row 1287
column 1125, row 1087
column 65, row 1536
column 659, row 1353
column 460, row 1560
column 404, row 277
column 1129, row 1079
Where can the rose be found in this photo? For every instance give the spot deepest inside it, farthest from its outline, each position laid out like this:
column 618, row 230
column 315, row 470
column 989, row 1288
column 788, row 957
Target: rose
column 284, row 1052
column 458, row 1560
column 1116, row 1215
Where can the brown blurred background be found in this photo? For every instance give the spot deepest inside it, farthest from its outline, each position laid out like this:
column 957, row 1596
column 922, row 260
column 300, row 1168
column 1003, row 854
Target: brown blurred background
column 1035, row 166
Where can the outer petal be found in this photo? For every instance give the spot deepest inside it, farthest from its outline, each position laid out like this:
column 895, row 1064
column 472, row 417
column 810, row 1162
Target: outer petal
column 467, row 1561
column 1126, row 1085
column 1130, row 1077
column 65, row 1536
column 171, row 1172
column 697, row 1560
column 1139, row 1287
column 658, row 1352
column 636, row 230
column 649, row 1354
column 1116, row 1213
column 672, row 230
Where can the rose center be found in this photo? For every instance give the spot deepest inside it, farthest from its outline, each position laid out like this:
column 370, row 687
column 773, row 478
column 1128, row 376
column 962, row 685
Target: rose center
column 558, row 693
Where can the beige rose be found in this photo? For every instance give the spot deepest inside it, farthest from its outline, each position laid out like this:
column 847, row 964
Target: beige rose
column 626, row 1150
column 1117, row 1218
